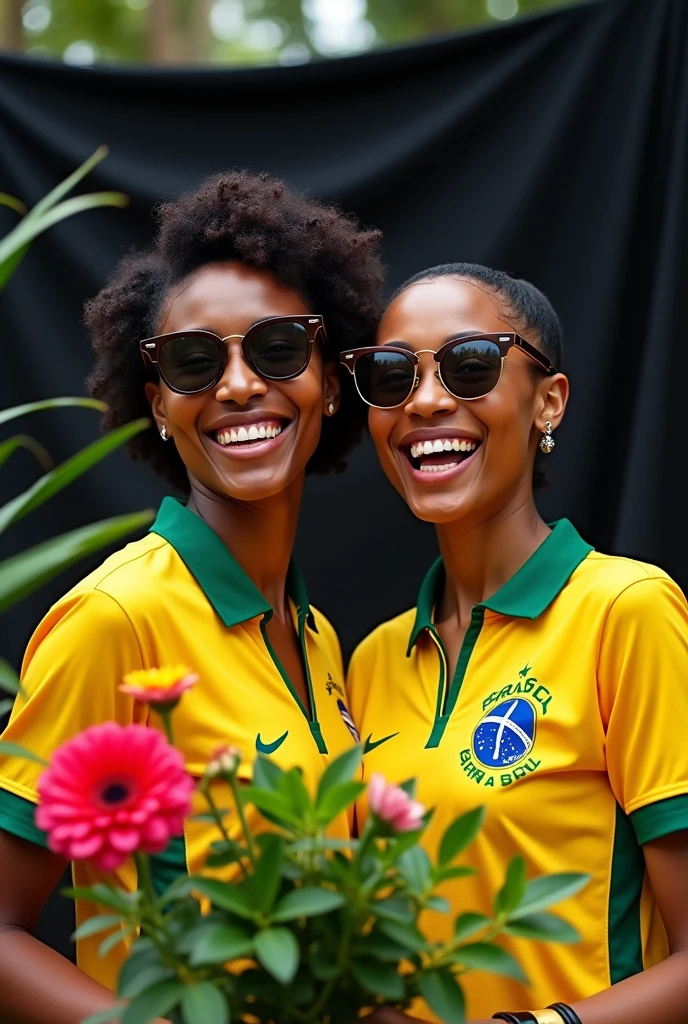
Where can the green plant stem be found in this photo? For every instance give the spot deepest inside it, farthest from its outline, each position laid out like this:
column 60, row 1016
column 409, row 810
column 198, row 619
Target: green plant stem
column 236, row 792
column 145, row 877
column 342, row 958
column 166, row 717
column 217, row 815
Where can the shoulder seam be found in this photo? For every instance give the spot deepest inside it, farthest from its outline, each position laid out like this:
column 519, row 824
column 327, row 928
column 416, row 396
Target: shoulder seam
column 126, row 615
column 648, row 579
column 129, row 560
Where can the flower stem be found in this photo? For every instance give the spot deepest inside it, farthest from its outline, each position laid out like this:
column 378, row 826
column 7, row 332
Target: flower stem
column 242, row 818
column 217, row 815
column 166, row 716
column 145, row 877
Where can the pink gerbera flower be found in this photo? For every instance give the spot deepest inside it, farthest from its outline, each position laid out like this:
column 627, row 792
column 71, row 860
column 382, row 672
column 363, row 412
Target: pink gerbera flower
column 113, row 790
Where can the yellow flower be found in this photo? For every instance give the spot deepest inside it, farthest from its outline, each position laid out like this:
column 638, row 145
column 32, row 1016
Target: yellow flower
column 159, row 685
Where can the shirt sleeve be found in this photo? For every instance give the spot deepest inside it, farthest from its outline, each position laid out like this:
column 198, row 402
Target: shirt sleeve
column 643, row 681
column 70, row 680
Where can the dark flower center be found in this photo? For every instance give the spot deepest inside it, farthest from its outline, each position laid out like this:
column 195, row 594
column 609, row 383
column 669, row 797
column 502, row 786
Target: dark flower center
column 115, row 793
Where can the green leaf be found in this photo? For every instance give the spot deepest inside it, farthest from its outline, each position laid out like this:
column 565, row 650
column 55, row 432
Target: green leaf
column 222, row 894
column 13, row 203
column 60, row 191
column 16, row 240
column 270, row 803
column 203, row 1003
column 114, row 940
column 143, row 977
column 544, row 927
column 342, row 769
column 266, row 774
column 59, row 478
column 223, row 852
column 438, row 903
column 23, row 573
column 315, row 844
column 104, row 1016
column 93, row 925
column 415, row 867
column 307, row 902
column 405, row 933
column 278, row 952
column 380, row 979
column 6, row 705
column 444, row 874
column 267, row 875
column 545, row 891
column 13, row 444
column 513, row 890
column 443, row 994
column 219, row 943
column 336, row 800
column 9, row 680
column 460, row 834
column 409, row 787
column 482, row 956
column 293, row 789
column 106, row 895
column 469, row 924
column 15, row 411
column 380, row 947
column 154, row 1002
column 8, row 749
column 394, row 909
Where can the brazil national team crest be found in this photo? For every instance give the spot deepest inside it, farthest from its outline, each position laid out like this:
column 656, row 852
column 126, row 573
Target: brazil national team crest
column 506, row 734
column 348, row 720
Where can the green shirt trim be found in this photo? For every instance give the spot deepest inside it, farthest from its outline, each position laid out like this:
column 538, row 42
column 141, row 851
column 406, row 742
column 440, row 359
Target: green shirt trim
column 660, row 819
column 17, row 816
column 529, row 591
column 625, row 889
column 232, row 594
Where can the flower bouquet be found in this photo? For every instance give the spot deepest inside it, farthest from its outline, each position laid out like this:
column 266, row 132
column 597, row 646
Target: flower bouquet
column 310, row 929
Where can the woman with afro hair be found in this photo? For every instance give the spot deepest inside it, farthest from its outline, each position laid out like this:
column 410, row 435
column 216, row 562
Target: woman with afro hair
column 228, row 332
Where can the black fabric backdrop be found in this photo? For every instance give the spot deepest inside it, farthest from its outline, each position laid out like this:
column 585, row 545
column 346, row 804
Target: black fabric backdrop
column 554, row 147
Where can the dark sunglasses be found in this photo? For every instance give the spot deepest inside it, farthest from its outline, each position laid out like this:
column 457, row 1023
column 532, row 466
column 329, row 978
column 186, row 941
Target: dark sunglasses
column 277, row 348
column 469, row 368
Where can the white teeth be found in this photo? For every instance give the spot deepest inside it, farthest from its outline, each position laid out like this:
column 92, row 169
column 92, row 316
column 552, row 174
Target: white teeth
column 438, row 446
column 436, row 469
column 241, row 435
column 441, row 445
column 447, row 446
column 428, row 448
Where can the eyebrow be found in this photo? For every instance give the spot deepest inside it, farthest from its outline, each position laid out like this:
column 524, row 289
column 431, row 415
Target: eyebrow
column 452, row 337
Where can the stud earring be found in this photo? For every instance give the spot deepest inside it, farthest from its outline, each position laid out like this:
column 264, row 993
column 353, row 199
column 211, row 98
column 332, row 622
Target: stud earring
column 163, row 434
column 547, row 442
column 330, row 408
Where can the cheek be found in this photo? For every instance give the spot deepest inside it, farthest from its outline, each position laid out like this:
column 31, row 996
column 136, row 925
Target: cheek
column 381, row 425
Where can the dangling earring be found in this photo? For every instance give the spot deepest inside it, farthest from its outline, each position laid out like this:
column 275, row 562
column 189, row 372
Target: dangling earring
column 163, row 434
column 330, row 408
column 547, row 442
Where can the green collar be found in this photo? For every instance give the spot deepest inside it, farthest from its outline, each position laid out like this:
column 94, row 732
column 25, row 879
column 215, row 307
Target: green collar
column 528, row 592
column 232, row 594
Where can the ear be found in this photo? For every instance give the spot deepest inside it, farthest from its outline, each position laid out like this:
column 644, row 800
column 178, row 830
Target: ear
column 552, row 401
column 332, row 388
column 155, row 398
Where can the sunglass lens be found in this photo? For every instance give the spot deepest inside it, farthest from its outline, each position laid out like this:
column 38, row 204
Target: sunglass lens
column 384, row 379
column 471, row 369
column 278, row 351
column 191, row 362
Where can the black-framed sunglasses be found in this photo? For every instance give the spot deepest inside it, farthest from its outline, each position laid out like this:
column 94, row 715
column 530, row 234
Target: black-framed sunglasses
column 277, row 348
column 469, row 368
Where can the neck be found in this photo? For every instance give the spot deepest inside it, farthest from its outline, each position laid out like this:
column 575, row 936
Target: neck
column 480, row 557
column 259, row 534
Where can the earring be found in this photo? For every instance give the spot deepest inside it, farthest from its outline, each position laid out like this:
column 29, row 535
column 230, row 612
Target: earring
column 330, row 408
column 163, row 434
column 547, row 442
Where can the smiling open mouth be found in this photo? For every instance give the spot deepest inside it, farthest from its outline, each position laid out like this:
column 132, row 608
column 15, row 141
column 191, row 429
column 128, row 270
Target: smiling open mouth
column 250, row 434
column 441, row 454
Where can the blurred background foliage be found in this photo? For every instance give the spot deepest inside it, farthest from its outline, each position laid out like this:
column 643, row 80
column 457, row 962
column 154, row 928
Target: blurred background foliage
column 237, row 32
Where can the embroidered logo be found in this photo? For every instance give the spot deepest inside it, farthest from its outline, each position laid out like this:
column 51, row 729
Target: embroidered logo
column 506, row 734
column 348, row 720
column 331, row 686
column 270, row 748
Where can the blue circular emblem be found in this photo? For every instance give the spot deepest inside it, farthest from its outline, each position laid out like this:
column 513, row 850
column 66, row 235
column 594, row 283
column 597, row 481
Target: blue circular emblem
column 505, row 734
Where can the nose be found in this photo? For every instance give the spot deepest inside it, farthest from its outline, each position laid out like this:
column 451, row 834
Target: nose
column 429, row 397
column 239, row 383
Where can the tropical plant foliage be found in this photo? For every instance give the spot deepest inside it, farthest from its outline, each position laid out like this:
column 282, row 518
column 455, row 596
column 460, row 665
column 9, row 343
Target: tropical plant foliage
column 25, row 571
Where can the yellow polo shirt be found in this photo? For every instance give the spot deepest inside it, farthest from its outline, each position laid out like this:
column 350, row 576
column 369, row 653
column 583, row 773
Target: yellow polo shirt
column 175, row 596
column 566, row 718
